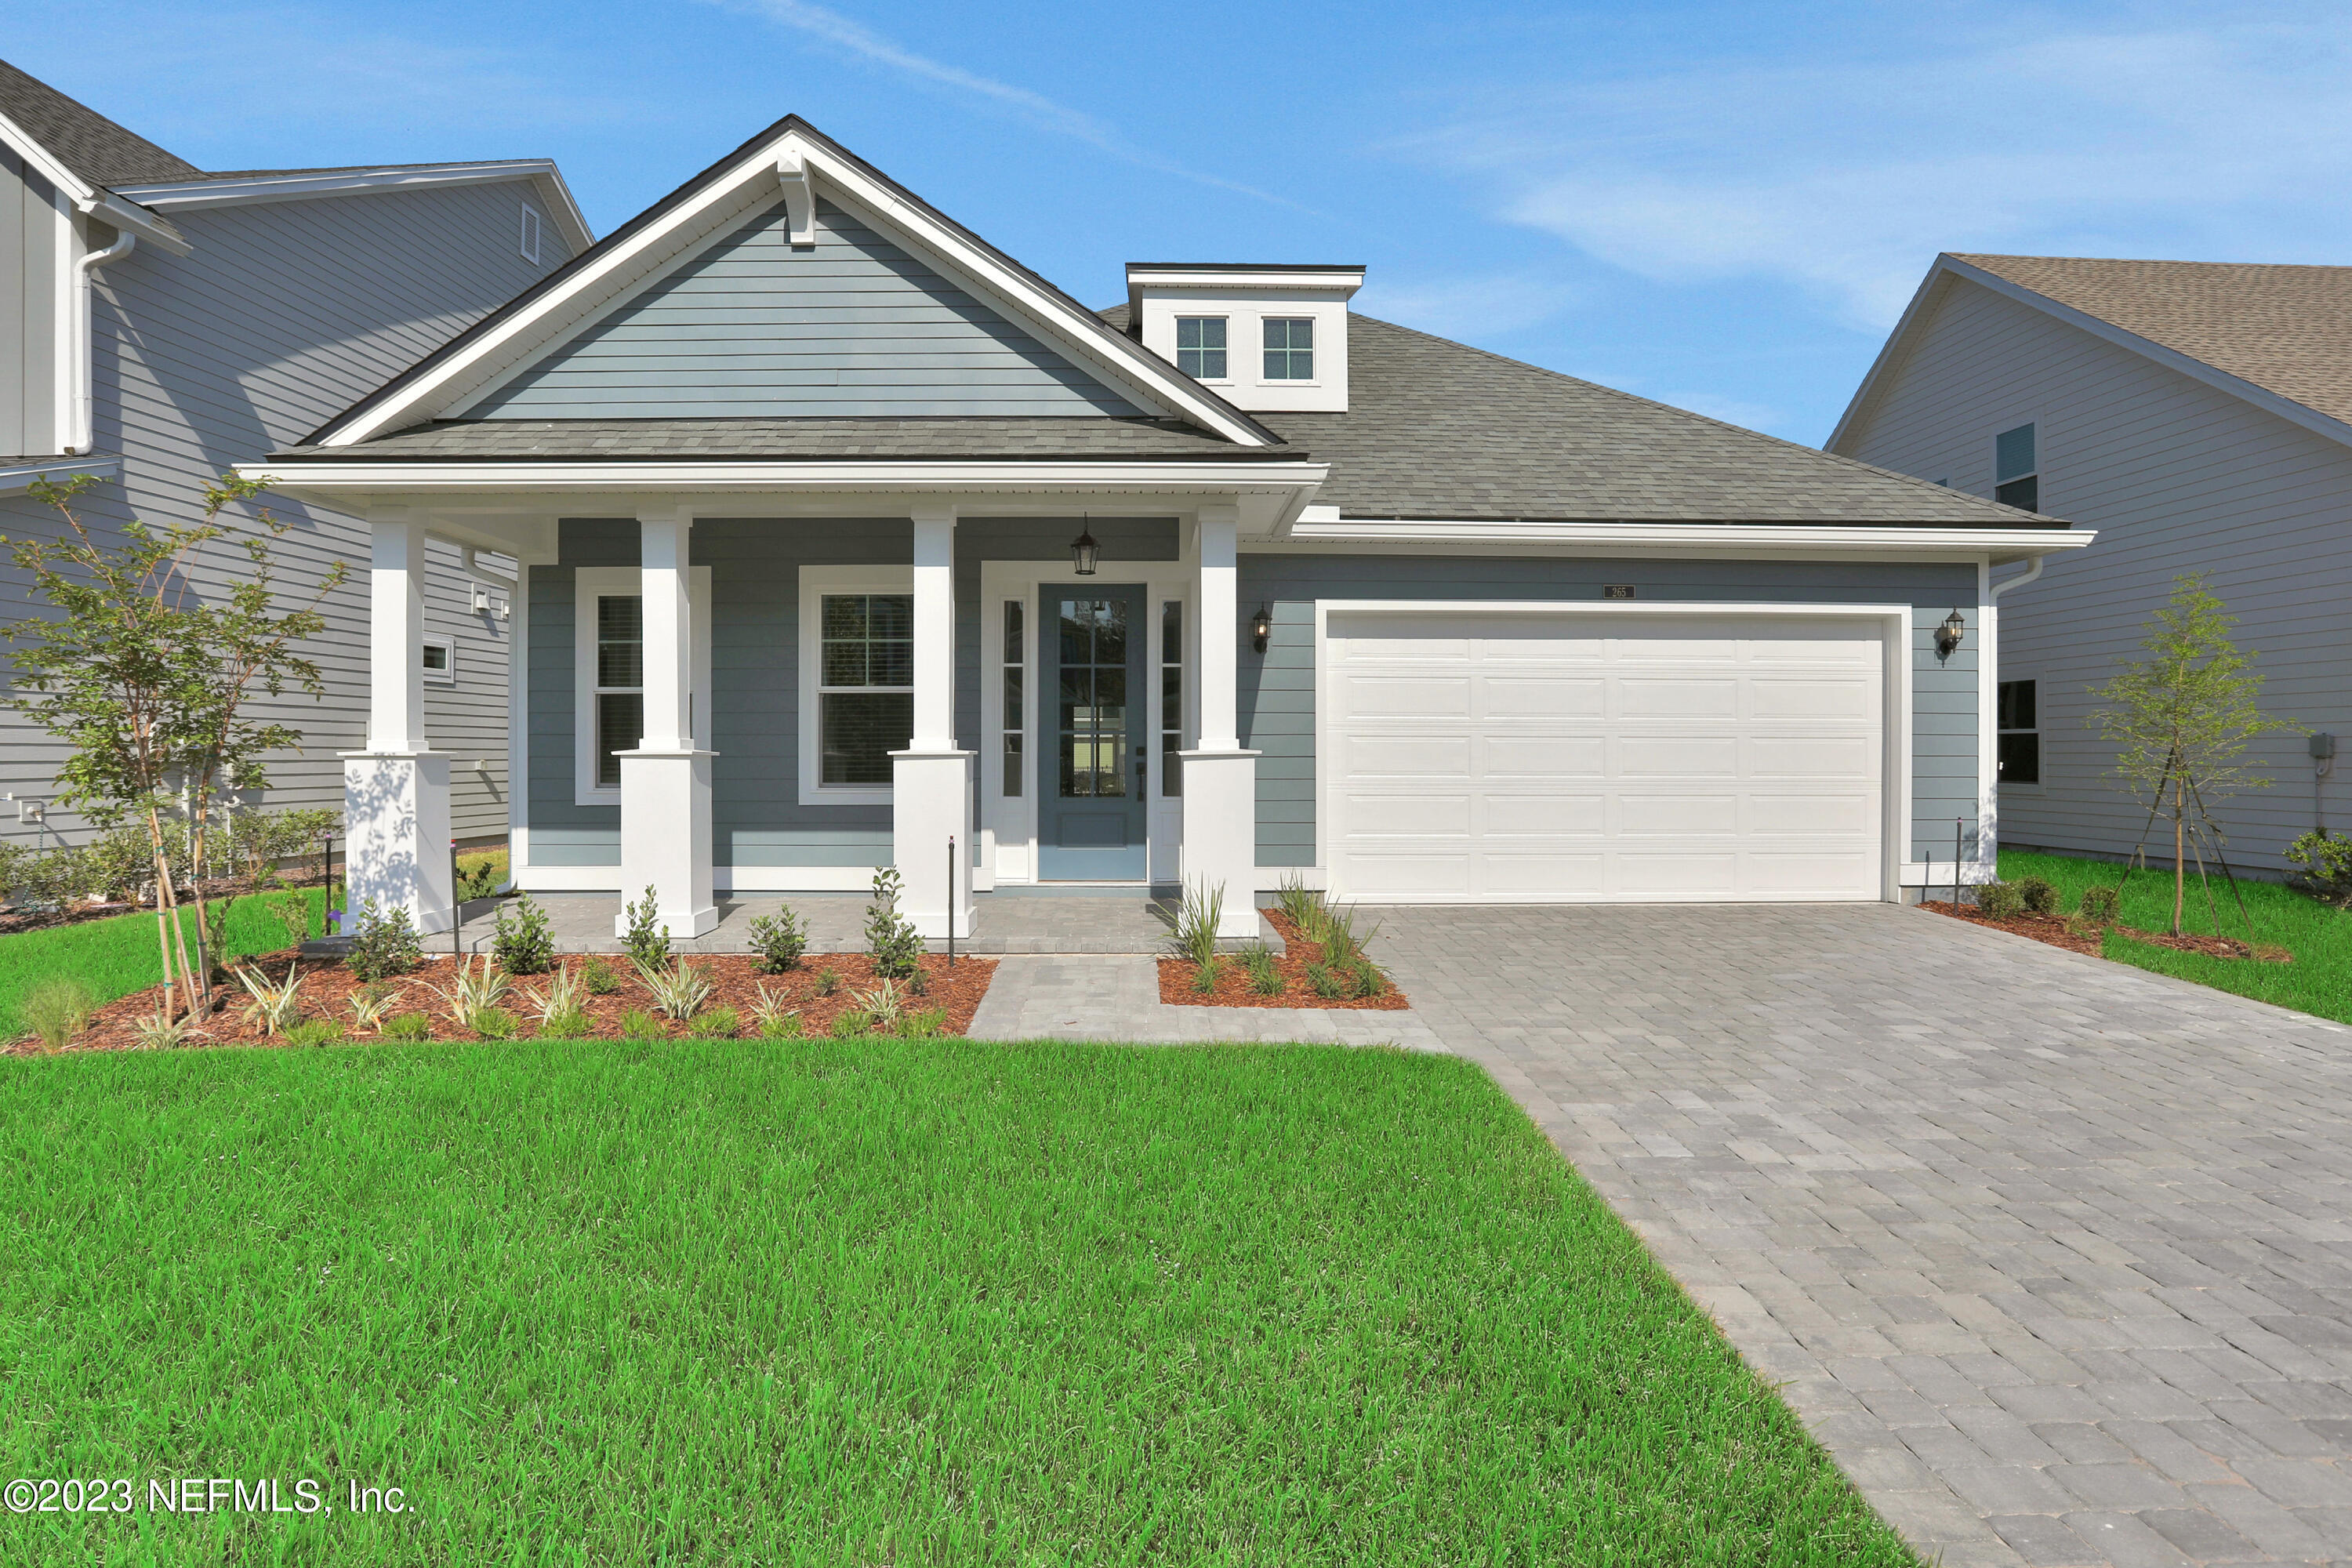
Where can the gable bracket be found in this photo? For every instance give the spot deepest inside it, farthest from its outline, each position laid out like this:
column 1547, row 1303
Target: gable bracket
column 799, row 198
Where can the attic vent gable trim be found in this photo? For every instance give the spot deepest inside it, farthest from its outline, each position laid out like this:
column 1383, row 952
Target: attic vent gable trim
column 799, row 198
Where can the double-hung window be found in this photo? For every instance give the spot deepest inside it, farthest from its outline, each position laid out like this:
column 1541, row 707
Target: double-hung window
column 620, row 693
column 1289, row 349
column 866, row 685
column 1201, row 347
column 2017, row 469
column 2020, row 728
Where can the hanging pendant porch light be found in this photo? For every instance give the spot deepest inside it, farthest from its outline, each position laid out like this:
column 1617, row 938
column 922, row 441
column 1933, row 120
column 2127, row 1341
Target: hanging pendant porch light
column 1083, row 549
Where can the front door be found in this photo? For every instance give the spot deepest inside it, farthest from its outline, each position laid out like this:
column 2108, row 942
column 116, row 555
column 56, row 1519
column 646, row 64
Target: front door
column 1093, row 767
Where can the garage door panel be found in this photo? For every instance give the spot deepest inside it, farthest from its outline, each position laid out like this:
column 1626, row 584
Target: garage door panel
column 1531, row 757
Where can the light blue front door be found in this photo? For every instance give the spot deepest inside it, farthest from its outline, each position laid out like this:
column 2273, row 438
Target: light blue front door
column 1093, row 766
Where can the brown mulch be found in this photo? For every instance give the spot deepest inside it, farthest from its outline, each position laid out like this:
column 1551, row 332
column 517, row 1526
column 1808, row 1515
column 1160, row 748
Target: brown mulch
column 2053, row 930
column 326, row 985
column 1233, row 989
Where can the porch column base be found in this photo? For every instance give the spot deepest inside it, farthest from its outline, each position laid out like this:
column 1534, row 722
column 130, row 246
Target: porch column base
column 396, row 811
column 1221, row 832
column 931, row 800
column 665, row 838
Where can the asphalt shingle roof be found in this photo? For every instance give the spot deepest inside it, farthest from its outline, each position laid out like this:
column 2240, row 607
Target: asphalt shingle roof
column 2285, row 328
column 85, row 141
column 706, row 440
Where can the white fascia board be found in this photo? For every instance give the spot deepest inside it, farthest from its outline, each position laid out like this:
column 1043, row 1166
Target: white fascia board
column 248, row 189
column 422, row 479
column 21, row 141
column 542, row 324
column 112, row 210
column 18, row 478
column 1749, row 540
column 89, row 199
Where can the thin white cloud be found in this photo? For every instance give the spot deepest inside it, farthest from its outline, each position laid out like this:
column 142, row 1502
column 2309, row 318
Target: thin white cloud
column 845, row 33
column 1846, row 176
column 1470, row 308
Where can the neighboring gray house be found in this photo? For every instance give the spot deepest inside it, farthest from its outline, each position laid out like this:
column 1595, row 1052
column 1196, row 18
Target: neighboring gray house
column 848, row 538
column 2200, row 416
column 159, row 325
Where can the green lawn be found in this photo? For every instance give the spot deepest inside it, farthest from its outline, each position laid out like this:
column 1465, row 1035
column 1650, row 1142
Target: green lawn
column 117, row 955
column 926, row 1302
column 2319, row 981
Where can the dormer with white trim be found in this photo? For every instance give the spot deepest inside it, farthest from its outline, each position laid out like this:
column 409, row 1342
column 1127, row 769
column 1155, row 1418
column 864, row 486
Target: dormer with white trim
column 1268, row 339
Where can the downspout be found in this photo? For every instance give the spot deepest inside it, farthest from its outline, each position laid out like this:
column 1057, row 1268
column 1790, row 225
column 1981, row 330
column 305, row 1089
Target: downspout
column 2032, row 571
column 84, row 436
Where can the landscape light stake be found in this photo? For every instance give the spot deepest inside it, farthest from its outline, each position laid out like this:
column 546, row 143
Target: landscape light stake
column 1956, row 865
column 328, row 924
column 456, row 910
column 952, row 868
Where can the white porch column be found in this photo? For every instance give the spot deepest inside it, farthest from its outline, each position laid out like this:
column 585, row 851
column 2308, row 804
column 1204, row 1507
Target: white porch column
column 1220, row 777
column 396, row 788
column 931, row 780
column 666, row 781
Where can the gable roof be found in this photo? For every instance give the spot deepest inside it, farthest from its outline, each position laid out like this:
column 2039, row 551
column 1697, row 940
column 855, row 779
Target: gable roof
column 786, row 156
column 2278, row 335
column 95, row 148
column 1439, row 431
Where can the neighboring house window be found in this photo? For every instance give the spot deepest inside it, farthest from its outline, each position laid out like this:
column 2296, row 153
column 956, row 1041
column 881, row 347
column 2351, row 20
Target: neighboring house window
column 620, row 682
column 1201, row 347
column 529, row 234
column 866, row 685
column 2017, row 469
column 1172, row 697
column 1289, row 350
column 440, row 662
column 1015, row 711
column 2020, row 733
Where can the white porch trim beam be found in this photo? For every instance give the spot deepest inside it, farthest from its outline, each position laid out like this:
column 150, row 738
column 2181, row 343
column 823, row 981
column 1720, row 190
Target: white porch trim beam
column 934, row 526
column 666, row 778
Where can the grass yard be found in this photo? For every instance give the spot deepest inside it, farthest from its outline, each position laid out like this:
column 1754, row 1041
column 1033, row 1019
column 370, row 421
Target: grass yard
column 934, row 1302
column 117, row 955
column 2319, row 980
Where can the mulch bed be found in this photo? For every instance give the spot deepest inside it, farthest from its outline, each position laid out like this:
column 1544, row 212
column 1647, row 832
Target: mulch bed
column 1233, row 989
column 2053, row 930
column 326, row 985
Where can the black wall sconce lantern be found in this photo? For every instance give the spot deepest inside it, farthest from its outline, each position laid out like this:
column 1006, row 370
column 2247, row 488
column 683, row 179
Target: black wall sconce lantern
column 1261, row 629
column 1083, row 549
column 1949, row 635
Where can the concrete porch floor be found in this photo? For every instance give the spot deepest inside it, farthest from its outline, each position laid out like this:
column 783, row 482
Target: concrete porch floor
column 1002, row 922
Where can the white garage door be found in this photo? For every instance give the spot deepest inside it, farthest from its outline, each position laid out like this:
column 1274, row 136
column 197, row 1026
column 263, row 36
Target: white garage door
column 1518, row 757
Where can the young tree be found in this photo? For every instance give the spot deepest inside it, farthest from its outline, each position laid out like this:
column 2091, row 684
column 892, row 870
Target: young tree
column 147, row 681
column 2180, row 719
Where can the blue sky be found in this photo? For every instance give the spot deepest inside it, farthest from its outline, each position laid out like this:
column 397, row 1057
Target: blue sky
column 1722, row 207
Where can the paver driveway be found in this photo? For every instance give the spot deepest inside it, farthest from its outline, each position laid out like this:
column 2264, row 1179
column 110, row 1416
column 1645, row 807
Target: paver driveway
column 2055, row 1255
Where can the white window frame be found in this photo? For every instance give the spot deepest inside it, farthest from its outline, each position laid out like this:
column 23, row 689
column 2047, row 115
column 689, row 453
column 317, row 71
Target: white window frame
column 448, row 674
column 2042, row 765
column 533, row 232
column 1992, row 443
column 816, row 582
column 1175, row 354
column 1312, row 351
column 588, row 583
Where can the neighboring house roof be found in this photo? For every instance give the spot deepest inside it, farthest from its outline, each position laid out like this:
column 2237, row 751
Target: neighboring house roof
column 2277, row 335
column 88, row 142
column 976, row 438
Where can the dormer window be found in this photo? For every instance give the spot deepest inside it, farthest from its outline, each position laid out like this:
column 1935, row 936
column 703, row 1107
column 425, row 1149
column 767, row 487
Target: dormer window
column 1201, row 347
column 1289, row 349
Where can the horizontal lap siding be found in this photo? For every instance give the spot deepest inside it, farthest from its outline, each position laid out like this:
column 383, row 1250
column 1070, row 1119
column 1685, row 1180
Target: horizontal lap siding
column 1277, row 688
column 854, row 326
column 2177, row 477
column 285, row 314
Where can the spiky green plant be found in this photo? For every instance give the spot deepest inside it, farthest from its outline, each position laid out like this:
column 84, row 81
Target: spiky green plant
column 1197, row 919
column 678, row 990
column 277, row 1004
column 369, row 1005
column 773, row 1017
column 475, row 990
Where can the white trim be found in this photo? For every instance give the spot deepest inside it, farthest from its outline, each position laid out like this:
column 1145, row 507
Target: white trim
column 495, row 476
column 587, row 583
column 518, row 722
column 755, row 179
column 18, row 478
column 528, row 236
column 816, row 582
column 1743, row 540
column 723, row 879
column 1988, row 632
column 1895, row 623
column 245, row 190
column 448, row 674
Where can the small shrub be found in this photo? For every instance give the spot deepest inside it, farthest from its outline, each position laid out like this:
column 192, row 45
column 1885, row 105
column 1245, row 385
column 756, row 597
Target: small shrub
column 770, row 1012
column 384, row 943
column 924, row 1024
column 1368, row 980
column 1301, row 905
column 58, row 1009
column 1265, row 976
column 715, row 1023
column 1327, row 983
column 850, row 1022
column 496, row 1024
column 782, row 1027
column 562, row 995
column 2038, row 895
column 779, row 939
column 919, row 982
column 679, row 990
column 2325, row 862
column 890, row 943
column 1342, row 942
column 526, row 945
column 599, row 978
column 1197, row 919
column 370, row 1004
column 636, row 1024
column 409, row 1027
column 647, row 943
column 573, row 1024
column 883, row 1005
column 1999, row 901
column 475, row 991
column 1204, row 975
column 828, row 981
column 277, row 1004
column 2103, row 905
column 293, row 912
column 316, row 1032
column 159, row 1031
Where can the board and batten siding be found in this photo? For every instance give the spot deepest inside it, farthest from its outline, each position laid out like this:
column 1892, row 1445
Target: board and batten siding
column 1277, row 688
column 285, row 313
column 31, row 223
column 854, row 326
column 2177, row 477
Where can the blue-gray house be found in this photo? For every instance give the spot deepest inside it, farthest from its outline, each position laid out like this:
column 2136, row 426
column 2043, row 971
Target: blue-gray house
column 846, row 537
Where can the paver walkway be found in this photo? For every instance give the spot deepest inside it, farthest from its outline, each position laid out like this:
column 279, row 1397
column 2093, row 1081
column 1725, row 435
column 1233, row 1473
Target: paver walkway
column 2055, row 1255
